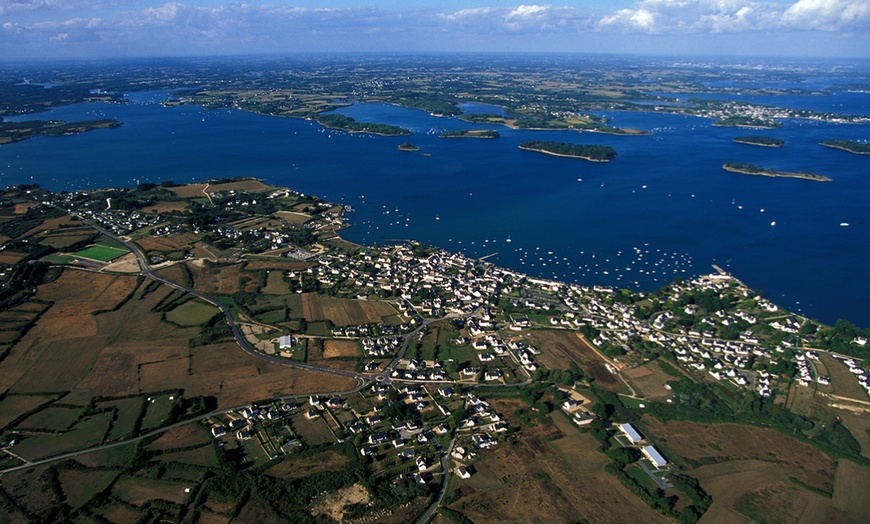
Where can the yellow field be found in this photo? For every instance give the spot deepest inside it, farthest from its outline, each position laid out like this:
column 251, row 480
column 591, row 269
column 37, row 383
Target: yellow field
column 340, row 348
column 649, row 380
column 196, row 190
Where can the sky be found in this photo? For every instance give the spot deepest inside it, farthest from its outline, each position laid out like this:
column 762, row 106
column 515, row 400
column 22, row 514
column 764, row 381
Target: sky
column 58, row 29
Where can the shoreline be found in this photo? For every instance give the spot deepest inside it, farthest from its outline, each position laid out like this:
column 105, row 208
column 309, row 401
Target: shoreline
column 844, row 148
column 469, row 136
column 627, row 132
column 756, row 143
column 359, row 131
column 778, row 174
column 742, row 126
column 563, row 156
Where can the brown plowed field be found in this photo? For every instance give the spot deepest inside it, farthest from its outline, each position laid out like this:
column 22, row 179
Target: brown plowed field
column 340, row 348
column 65, row 334
column 297, row 468
column 698, row 443
column 165, row 207
column 163, row 243
column 195, row 190
column 531, row 479
column 311, row 310
column 285, row 265
column 560, row 348
column 649, row 380
column 344, row 312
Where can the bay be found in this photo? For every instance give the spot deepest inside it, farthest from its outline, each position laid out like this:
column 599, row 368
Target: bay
column 663, row 208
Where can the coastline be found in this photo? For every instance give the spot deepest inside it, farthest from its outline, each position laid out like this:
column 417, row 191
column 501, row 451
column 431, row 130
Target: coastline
column 844, row 148
column 778, row 174
column 756, row 143
column 588, row 159
column 468, row 136
column 359, row 131
column 625, row 132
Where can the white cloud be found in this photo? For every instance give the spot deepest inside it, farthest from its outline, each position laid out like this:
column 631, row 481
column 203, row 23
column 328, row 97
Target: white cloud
column 721, row 16
column 829, row 15
column 528, row 11
column 165, row 13
column 9, row 7
column 218, row 26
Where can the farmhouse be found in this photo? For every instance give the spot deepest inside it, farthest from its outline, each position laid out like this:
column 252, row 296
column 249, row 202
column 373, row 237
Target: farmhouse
column 654, row 456
column 570, row 405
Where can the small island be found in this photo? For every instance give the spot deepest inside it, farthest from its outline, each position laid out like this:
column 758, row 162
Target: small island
column 408, row 147
column 593, row 153
column 747, row 121
column 470, row 133
column 764, row 141
column 17, row 131
column 851, row 146
column 346, row 123
column 752, row 169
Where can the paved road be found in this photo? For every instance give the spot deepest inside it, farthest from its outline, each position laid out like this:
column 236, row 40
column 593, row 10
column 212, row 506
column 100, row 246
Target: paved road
column 445, row 483
column 158, row 431
column 363, row 380
column 148, row 272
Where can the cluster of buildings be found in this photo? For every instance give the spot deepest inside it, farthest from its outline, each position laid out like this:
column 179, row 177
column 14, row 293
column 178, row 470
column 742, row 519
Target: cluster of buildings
column 121, row 222
column 861, row 373
column 637, row 440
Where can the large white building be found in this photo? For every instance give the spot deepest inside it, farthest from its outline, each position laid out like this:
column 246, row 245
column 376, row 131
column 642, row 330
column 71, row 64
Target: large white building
column 655, row 457
column 631, row 432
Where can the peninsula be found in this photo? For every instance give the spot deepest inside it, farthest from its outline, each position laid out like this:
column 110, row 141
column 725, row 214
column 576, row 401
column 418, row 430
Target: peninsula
column 752, row 169
column 848, row 145
column 17, row 131
column 764, row 141
column 593, row 153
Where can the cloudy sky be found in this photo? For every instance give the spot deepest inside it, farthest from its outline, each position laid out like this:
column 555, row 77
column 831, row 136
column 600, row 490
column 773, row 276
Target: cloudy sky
column 108, row 28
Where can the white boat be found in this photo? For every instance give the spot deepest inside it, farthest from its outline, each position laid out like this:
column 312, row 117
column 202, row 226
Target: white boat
column 844, row 224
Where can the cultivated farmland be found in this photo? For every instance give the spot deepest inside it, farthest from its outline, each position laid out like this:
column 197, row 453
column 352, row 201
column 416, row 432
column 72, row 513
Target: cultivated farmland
column 561, row 348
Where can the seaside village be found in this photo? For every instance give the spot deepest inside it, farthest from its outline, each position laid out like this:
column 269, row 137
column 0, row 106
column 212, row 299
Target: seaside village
column 430, row 413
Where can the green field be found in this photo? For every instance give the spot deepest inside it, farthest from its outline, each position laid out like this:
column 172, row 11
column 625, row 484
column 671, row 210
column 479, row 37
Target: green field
column 157, row 411
column 57, row 258
column 128, row 410
column 52, row 419
column 638, row 474
column 81, row 486
column 192, row 313
column 87, row 433
column 100, row 252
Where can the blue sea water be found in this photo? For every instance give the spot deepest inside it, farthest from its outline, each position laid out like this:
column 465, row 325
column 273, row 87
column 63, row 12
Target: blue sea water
column 663, row 208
